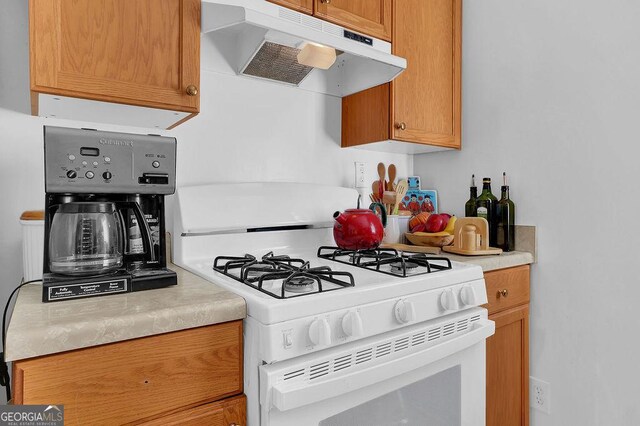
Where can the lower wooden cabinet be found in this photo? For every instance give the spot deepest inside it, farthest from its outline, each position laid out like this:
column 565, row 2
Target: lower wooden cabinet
column 180, row 376
column 231, row 411
column 508, row 369
column 508, row 348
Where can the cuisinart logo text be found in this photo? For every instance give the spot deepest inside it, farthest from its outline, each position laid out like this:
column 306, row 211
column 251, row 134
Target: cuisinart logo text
column 116, row 142
column 32, row 415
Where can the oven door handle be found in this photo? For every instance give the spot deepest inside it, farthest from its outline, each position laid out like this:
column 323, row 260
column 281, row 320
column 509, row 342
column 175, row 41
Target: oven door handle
column 285, row 396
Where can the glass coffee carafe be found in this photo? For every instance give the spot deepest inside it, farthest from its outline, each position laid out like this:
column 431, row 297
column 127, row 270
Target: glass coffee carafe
column 88, row 238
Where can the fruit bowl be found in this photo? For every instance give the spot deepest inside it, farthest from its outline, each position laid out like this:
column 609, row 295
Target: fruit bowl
column 438, row 239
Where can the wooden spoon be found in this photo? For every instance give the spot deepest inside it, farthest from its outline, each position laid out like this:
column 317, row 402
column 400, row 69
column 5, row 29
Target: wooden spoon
column 392, row 177
column 401, row 191
column 381, row 174
column 375, row 188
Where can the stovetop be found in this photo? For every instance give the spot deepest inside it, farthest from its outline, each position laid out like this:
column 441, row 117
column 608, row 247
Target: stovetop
column 283, row 276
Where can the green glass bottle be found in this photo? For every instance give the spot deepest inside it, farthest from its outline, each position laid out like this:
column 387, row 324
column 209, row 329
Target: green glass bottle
column 505, row 219
column 470, row 206
column 486, row 207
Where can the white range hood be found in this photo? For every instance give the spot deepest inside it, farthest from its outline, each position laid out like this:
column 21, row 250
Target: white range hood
column 258, row 39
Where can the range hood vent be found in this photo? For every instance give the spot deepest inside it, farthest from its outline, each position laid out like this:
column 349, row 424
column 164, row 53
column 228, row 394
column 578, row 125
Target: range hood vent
column 258, row 39
column 277, row 62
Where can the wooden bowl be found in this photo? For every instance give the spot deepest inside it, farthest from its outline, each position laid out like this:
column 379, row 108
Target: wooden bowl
column 426, row 239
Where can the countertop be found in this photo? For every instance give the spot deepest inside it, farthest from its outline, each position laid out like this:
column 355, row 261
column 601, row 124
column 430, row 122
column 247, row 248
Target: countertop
column 38, row 328
column 493, row 262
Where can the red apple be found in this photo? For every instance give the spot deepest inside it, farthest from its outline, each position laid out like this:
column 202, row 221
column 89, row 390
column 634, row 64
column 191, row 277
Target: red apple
column 421, row 227
column 437, row 223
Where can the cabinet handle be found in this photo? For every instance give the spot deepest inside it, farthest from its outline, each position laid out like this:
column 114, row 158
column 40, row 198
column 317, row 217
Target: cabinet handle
column 325, row 1
column 401, row 126
column 503, row 293
column 192, row 90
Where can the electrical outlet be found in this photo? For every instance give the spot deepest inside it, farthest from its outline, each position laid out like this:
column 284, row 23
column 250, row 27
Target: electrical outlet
column 540, row 395
column 360, row 180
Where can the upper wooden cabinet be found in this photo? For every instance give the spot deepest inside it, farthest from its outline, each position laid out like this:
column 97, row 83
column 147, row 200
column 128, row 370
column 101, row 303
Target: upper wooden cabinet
column 371, row 17
column 305, row 6
column 144, row 53
column 423, row 104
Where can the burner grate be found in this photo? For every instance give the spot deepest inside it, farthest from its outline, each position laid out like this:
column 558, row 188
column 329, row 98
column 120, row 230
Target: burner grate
column 297, row 275
column 387, row 261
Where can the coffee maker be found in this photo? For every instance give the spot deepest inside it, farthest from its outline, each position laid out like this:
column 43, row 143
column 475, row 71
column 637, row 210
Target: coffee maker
column 105, row 212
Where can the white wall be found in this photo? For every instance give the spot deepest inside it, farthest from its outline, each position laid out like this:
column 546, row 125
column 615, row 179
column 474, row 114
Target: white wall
column 551, row 94
column 247, row 131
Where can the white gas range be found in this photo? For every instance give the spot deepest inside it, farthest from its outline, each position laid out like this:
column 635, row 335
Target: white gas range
column 335, row 337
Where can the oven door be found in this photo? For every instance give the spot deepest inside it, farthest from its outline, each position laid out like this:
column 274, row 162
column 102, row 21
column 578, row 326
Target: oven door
column 431, row 373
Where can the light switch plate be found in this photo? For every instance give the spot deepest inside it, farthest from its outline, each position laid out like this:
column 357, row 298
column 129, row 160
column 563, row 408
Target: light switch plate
column 360, row 175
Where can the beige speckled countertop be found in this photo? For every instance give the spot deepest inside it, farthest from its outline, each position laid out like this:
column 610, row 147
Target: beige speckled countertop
column 491, row 263
column 38, row 328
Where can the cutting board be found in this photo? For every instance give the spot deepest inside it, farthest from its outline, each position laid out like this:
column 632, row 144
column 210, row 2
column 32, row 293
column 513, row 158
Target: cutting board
column 412, row 249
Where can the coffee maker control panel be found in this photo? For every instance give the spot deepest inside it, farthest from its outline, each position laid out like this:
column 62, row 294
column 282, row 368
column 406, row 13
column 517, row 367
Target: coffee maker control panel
column 93, row 161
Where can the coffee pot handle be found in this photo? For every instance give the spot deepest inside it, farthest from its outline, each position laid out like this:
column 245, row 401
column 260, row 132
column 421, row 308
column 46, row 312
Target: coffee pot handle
column 142, row 224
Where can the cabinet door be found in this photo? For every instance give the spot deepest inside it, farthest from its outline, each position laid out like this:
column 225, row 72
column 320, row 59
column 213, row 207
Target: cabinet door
column 426, row 101
column 304, row 6
column 143, row 52
column 137, row 379
column 371, row 17
column 508, row 369
column 231, row 411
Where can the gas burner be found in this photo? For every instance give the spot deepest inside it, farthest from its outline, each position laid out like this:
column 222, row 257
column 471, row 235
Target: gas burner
column 277, row 275
column 398, row 266
column 387, row 261
column 300, row 283
column 358, row 256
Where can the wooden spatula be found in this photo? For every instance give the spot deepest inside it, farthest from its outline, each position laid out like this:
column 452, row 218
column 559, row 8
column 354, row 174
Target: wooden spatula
column 401, row 191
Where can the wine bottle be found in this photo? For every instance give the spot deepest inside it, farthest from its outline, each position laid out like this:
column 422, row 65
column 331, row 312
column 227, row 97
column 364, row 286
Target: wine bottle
column 470, row 206
column 505, row 219
column 486, row 208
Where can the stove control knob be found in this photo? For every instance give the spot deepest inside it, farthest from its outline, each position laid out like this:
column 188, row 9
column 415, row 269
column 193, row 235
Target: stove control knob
column 404, row 312
column 107, row 175
column 71, row 174
column 468, row 296
column 352, row 324
column 449, row 301
column 320, row 332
